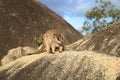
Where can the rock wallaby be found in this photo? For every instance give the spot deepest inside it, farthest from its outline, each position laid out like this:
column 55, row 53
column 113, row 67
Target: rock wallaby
column 53, row 41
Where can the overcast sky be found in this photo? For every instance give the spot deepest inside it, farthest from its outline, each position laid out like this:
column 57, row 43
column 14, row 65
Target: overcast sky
column 73, row 11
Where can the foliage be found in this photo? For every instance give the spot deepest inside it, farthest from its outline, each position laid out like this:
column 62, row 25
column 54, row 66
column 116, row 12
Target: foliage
column 38, row 40
column 100, row 16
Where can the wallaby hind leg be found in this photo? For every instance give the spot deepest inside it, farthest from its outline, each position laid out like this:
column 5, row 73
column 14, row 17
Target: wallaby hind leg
column 60, row 49
column 53, row 49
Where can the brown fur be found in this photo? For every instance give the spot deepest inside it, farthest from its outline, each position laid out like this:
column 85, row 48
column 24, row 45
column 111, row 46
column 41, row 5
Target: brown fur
column 53, row 41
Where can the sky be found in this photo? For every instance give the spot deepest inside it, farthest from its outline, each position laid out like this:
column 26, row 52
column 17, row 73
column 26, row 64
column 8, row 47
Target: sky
column 73, row 11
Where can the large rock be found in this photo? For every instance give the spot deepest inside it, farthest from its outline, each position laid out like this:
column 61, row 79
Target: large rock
column 21, row 21
column 16, row 53
column 106, row 41
column 69, row 65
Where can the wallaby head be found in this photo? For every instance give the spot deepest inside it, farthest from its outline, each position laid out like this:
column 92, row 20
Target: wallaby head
column 58, row 38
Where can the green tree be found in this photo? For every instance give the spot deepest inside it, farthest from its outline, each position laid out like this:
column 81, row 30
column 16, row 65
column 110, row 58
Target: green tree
column 100, row 16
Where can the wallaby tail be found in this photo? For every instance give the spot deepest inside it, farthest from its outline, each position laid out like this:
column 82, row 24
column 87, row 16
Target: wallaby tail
column 40, row 49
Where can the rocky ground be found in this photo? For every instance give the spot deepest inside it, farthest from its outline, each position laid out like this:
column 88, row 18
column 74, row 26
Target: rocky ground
column 69, row 65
